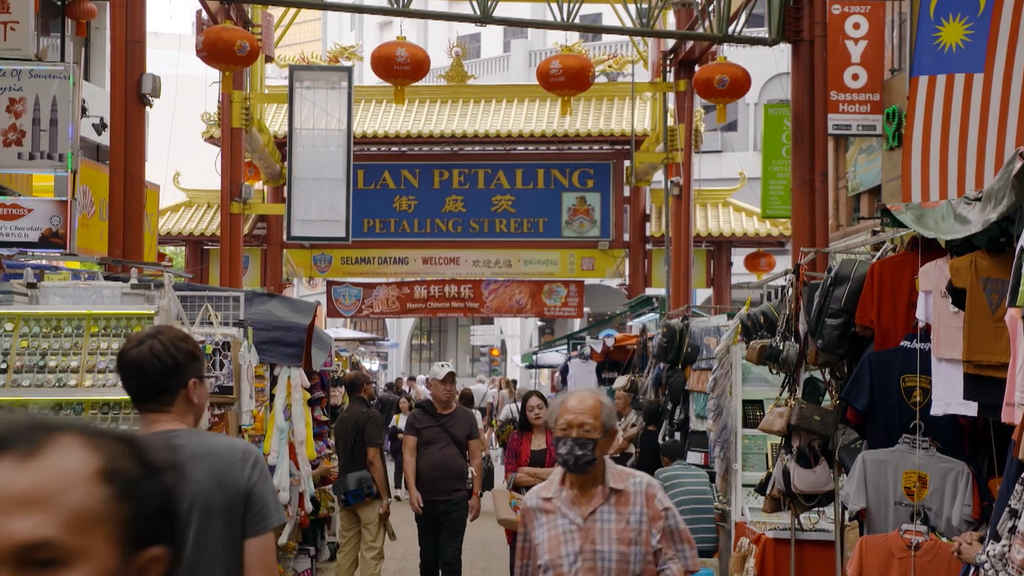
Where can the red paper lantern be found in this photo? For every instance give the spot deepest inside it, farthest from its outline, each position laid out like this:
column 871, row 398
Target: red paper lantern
column 227, row 47
column 251, row 172
column 566, row 75
column 400, row 64
column 83, row 12
column 720, row 83
column 759, row 263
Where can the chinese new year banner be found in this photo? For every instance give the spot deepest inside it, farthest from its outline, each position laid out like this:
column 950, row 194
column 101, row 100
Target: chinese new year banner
column 466, row 298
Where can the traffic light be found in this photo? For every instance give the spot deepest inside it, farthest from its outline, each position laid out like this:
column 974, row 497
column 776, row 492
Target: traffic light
column 495, row 354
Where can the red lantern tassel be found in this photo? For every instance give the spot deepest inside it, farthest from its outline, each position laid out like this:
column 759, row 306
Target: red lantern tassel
column 399, row 98
column 566, row 106
column 82, row 29
column 720, row 114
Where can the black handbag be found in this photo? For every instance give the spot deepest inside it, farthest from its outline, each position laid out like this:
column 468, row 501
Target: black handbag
column 849, row 447
column 355, row 487
column 487, row 482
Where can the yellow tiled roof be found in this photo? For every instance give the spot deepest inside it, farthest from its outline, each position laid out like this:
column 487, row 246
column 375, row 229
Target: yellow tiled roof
column 716, row 213
column 482, row 111
column 197, row 215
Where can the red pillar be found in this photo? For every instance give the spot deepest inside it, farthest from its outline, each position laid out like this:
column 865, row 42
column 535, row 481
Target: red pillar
column 821, row 190
column 681, row 206
column 721, row 277
column 637, row 241
column 274, row 268
column 194, row 259
column 118, row 128
column 135, row 133
column 802, row 103
column 225, row 179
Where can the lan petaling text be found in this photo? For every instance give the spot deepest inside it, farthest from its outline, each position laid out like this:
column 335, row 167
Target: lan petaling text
column 467, row 200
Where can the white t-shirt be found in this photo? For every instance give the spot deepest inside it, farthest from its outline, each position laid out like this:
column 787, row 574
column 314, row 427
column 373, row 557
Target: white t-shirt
column 947, row 375
column 509, row 413
column 479, row 394
column 582, row 374
column 479, row 418
column 399, row 421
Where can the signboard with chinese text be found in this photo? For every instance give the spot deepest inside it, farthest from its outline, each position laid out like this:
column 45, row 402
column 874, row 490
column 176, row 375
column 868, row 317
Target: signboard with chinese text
column 412, row 263
column 776, row 161
column 482, row 201
column 252, row 267
column 462, row 298
column 37, row 133
column 856, row 67
column 18, row 29
column 34, row 223
column 92, row 196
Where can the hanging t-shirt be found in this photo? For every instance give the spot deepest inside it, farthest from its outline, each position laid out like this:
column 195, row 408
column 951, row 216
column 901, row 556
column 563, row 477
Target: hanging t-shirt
column 985, row 277
column 582, row 374
column 888, row 555
column 947, row 375
column 1013, row 401
column 890, row 389
column 947, row 320
column 888, row 484
column 889, row 298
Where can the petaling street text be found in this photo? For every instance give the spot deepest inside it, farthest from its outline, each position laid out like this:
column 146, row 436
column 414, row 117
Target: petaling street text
column 477, row 178
column 454, row 225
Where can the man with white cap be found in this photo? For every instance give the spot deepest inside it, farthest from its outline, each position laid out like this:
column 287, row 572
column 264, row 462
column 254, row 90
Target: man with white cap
column 441, row 443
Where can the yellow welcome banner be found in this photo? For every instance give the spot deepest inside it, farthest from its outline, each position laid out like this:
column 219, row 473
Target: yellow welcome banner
column 412, row 263
column 252, row 267
column 700, row 268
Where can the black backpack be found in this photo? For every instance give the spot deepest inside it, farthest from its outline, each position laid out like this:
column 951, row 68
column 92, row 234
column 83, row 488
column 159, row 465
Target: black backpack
column 835, row 308
column 669, row 346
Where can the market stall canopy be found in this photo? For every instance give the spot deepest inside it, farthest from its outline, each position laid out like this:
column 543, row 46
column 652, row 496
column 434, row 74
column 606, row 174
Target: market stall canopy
column 280, row 326
column 545, row 359
column 635, row 307
column 339, row 333
column 972, row 212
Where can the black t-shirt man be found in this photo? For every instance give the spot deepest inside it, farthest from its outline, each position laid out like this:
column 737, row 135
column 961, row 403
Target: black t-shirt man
column 441, row 466
column 359, row 427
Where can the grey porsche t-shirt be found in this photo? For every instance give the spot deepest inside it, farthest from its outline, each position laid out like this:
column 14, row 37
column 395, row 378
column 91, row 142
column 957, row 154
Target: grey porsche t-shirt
column 889, row 483
column 226, row 496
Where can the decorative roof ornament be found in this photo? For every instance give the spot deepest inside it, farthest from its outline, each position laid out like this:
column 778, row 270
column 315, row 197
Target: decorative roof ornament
column 698, row 130
column 337, row 54
column 456, row 72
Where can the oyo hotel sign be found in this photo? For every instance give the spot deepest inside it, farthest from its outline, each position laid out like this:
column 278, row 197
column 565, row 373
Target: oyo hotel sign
column 856, row 67
column 482, row 201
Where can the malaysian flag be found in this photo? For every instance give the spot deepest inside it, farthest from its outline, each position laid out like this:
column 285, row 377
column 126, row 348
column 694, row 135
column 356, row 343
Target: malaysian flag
column 965, row 114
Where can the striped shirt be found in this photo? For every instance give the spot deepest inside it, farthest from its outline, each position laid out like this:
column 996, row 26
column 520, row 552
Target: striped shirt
column 634, row 531
column 689, row 488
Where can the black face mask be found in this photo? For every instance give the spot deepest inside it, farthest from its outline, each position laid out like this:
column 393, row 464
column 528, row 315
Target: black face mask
column 575, row 455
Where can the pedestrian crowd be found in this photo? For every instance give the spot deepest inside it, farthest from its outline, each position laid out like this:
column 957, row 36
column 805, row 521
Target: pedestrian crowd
column 590, row 490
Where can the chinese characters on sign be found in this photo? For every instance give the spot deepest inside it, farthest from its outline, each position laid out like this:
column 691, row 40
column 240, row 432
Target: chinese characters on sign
column 483, row 201
column 17, row 29
column 464, row 298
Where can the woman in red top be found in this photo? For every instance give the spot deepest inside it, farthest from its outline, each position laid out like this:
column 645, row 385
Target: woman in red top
column 529, row 455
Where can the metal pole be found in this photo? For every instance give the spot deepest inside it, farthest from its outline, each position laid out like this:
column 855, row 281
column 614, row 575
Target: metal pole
column 484, row 20
column 666, row 65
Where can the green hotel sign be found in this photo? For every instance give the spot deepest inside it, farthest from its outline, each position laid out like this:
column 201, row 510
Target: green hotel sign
column 776, row 161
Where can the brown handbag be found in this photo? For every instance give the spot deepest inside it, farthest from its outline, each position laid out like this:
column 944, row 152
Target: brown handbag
column 813, row 419
column 776, row 421
column 756, row 351
column 698, row 380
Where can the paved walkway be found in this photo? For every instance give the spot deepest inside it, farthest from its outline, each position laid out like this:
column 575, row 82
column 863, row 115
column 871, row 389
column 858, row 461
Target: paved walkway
column 484, row 552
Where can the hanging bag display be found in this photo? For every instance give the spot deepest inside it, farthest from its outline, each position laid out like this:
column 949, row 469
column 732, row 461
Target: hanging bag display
column 812, row 419
column 776, row 419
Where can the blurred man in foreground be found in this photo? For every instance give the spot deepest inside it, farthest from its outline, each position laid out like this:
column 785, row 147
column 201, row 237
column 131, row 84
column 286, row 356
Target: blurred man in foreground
column 82, row 501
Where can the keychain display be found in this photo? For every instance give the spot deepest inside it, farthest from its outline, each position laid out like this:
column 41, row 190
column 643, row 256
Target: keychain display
column 106, row 413
column 65, row 350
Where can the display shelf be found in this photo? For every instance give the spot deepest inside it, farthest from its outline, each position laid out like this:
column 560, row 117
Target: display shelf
column 105, row 412
column 49, row 353
column 116, row 393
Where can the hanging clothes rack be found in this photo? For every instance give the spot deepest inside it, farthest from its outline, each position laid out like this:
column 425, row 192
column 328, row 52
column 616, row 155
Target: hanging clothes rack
column 848, row 247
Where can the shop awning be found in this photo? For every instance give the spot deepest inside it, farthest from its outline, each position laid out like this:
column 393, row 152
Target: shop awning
column 639, row 305
column 342, row 334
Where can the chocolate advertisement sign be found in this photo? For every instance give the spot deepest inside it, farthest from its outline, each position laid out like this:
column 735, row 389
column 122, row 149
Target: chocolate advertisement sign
column 34, row 223
column 36, row 111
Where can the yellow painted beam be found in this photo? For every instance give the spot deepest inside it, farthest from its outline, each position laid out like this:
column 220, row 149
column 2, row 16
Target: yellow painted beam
column 258, row 209
column 655, row 158
column 478, row 91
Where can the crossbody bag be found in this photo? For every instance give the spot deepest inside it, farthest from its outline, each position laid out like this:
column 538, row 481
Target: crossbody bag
column 355, row 487
column 464, row 452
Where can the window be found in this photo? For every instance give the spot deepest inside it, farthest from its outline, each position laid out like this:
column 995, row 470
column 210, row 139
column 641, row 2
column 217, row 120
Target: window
column 590, row 37
column 758, row 16
column 470, row 46
column 375, row 326
column 510, row 35
column 445, row 339
column 732, row 112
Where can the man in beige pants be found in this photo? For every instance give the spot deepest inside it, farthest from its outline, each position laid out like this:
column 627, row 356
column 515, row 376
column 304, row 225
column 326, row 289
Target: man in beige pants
column 358, row 441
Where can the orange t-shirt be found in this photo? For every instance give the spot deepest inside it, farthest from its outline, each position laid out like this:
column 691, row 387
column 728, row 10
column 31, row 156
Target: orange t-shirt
column 888, row 555
column 888, row 302
column 986, row 348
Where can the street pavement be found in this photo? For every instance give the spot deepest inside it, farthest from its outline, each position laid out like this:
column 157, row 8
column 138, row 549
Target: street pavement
column 484, row 551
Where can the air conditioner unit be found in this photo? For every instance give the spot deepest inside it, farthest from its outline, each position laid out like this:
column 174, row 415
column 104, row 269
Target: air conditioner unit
column 712, row 142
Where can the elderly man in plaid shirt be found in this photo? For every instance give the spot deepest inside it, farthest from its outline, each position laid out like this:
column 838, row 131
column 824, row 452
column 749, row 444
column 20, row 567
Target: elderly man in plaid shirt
column 593, row 517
